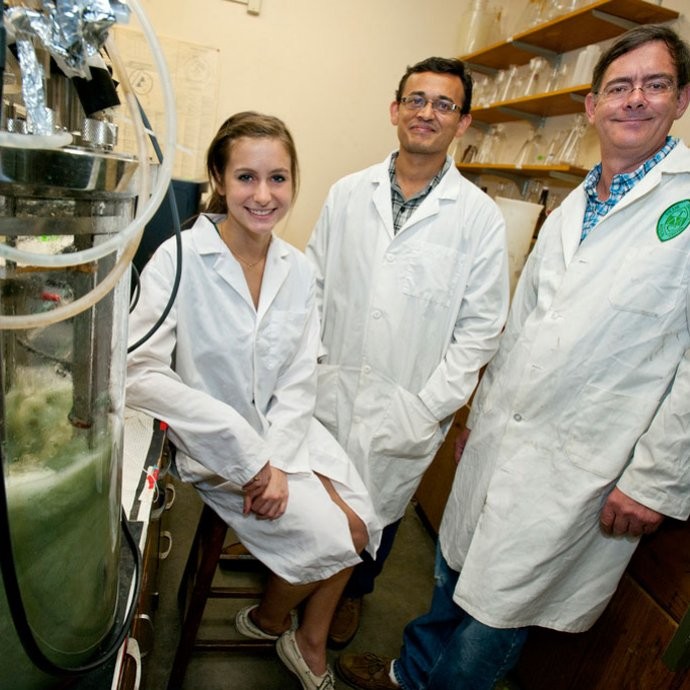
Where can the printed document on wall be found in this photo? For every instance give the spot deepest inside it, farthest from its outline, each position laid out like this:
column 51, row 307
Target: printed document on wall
column 194, row 71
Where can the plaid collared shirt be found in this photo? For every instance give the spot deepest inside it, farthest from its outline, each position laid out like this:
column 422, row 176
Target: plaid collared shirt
column 621, row 184
column 403, row 208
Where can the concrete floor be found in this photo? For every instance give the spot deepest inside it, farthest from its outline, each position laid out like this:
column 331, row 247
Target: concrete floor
column 403, row 592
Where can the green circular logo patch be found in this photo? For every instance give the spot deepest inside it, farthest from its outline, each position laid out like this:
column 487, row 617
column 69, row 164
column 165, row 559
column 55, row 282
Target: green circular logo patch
column 673, row 220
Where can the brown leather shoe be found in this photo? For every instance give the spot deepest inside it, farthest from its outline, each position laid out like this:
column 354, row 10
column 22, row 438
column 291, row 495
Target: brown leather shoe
column 345, row 622
column 367, row 671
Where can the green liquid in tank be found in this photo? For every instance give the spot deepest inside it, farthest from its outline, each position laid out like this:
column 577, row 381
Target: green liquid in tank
column 64, row 523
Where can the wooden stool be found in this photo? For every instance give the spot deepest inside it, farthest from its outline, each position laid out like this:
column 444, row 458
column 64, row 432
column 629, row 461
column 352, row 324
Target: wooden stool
column 196, row 588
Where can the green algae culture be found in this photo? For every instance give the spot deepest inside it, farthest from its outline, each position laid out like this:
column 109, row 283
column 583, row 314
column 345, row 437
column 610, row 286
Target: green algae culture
column 63, row 494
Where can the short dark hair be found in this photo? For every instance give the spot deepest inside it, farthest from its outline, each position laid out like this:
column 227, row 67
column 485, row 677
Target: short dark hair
column 630, row 40
column 246, row 124
column 441, row 65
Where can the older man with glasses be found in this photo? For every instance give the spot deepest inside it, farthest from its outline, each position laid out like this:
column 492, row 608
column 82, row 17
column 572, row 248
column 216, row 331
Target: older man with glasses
column 580, row 440
column 412, row 282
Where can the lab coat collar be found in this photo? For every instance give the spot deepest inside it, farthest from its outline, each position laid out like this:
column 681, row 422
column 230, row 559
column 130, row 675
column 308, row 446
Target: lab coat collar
column 573, row 206
column 382, row 195
column 209, row 242
column 447, row 188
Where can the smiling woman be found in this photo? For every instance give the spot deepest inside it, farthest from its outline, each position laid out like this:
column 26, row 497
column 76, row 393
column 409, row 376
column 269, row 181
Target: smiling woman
column 238, row 395
column 252, row 162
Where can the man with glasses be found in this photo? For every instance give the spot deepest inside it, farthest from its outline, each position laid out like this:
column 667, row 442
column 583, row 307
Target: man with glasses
column 412, row 285
column 580, row 438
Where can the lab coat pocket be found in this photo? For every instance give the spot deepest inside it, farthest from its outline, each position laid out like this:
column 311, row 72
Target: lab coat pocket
column 431, row 272
column 604, row 430
column 278, row 339
column 407, row 429
column 650, row 280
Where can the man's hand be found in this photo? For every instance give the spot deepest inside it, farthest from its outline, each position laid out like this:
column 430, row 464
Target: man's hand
column 623, row 516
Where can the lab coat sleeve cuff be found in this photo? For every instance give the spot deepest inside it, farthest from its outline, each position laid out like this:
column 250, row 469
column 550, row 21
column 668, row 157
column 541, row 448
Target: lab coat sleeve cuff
column 672, row 502
column 434, row 407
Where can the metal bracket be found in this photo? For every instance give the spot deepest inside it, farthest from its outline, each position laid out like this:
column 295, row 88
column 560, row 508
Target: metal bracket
column 566, row 177
column 612, row 19
column 482, row 69
column 536, row 120
column 536, row 50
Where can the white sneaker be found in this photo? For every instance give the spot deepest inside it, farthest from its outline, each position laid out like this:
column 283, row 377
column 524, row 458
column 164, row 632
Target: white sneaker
column 290, row 655
column 247, row 627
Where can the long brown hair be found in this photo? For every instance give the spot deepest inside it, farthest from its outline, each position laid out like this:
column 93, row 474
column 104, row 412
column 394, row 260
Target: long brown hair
column 246, row 124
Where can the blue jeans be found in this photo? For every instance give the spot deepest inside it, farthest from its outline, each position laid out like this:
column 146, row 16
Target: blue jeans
column 448, row 649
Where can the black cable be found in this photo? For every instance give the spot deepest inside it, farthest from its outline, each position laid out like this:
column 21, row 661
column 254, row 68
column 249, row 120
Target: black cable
column 178, row 240
column 136, row 290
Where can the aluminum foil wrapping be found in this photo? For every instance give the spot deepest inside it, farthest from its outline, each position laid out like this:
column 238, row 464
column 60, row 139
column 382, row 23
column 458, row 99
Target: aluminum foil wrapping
column 39, row 118
column 71, row 31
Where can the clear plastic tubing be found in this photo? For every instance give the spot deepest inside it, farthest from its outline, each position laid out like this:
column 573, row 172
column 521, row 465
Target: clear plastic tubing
column 127, row 240
column 163, row 179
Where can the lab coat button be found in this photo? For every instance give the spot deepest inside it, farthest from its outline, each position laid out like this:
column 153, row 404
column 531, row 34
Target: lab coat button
column 517, row 417
column 390, row 258
column 366, row 369
column 376, row 314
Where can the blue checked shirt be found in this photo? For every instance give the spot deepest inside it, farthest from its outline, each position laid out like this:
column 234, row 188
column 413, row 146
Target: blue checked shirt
column 403, row 208
column 621, row 184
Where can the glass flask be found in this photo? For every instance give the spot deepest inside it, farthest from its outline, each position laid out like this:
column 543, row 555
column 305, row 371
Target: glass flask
column 510, row 88
column 492, row 142
column 479, row 26
column 539, row 77
column 570, row 148
column 532, row 150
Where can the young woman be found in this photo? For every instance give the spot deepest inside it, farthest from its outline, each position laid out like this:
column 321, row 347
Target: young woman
column 232, row 371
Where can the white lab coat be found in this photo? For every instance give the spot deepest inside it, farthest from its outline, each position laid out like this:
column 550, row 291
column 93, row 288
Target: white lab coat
column 408, row 320
column 241, row 393
column 590, row 389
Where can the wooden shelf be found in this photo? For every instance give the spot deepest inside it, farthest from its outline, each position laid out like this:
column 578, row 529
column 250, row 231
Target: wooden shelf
column 596, row 22
column 568, row 173
column 562, row 102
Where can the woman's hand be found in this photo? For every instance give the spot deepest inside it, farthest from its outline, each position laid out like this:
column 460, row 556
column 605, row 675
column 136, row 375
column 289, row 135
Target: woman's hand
column 267, row 494
column 255, row 487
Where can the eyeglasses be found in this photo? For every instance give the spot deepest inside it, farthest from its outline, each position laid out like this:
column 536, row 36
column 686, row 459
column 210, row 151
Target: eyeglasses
column 655, row 88
column 439, row 105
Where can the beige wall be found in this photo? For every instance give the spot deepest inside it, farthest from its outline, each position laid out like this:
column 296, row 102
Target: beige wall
column 329, row 69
